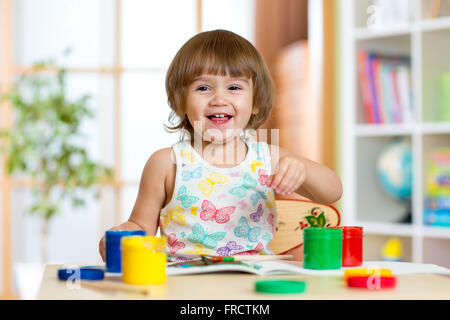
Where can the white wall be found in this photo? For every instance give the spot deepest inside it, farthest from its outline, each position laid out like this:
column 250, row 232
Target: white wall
column 234, row 15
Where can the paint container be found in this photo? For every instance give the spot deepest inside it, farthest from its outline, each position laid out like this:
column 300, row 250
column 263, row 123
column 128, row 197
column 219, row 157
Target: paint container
column 144, row 260
column 322, row 248
column 368, row 272
column 352, row 246
column 113, row 252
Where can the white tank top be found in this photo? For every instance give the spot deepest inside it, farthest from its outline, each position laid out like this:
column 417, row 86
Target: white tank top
column 219, row 211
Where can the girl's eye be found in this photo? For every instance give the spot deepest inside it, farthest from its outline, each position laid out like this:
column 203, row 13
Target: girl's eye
column 235, row 88
column 202, row 88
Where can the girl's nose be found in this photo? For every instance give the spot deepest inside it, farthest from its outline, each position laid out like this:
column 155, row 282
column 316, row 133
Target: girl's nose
column 218, row 99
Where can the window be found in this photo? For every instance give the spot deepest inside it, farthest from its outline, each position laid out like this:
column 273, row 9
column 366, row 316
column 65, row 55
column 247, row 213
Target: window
column 120, row 53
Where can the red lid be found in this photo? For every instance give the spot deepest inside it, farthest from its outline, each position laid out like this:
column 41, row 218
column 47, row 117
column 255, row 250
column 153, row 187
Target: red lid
column 372, row 283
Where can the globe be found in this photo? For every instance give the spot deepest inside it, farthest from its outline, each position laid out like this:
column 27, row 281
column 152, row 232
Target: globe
column 394, row 169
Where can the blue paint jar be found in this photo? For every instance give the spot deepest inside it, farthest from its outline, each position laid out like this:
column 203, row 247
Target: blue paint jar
column 113, row 249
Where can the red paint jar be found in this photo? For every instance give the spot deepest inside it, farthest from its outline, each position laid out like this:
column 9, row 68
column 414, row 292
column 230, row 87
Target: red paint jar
column 352, row 246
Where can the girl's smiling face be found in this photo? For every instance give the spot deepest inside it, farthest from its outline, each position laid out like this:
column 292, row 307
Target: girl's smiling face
column 222, row 105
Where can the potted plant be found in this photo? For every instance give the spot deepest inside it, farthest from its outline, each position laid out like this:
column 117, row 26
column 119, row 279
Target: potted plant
column 44, row 143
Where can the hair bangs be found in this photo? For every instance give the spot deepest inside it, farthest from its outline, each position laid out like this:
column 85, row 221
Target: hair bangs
column 220, row 58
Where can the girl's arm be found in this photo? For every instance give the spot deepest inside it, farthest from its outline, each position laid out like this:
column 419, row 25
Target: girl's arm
column 152, row 194
column 150, row 198
column 294, row 173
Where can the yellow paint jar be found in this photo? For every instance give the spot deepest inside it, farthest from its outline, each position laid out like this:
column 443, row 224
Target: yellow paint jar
column 143, row 260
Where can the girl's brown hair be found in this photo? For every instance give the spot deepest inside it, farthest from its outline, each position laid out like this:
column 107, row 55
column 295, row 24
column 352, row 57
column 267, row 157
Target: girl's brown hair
column 218, row 52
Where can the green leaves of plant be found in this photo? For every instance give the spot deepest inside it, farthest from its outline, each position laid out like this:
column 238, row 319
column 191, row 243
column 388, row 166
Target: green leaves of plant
column 43, row 143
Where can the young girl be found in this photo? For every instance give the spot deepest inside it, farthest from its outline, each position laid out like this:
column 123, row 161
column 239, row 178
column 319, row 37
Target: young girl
column 213, row 193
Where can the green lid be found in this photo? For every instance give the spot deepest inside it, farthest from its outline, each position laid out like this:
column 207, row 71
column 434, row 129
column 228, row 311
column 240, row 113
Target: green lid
column 322, row 233
column 280, row 286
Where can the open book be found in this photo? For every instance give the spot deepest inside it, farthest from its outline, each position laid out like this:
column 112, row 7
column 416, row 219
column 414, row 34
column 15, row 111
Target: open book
column 268, row 267
column 277, row 267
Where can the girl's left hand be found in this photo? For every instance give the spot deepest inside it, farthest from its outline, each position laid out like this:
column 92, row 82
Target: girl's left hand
column 289, row 175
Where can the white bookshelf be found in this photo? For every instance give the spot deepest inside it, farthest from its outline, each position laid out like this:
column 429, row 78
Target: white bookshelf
column 364, row 203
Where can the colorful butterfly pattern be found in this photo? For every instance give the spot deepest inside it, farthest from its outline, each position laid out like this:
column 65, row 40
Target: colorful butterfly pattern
column 256, row 250
column 243, row 230
column 267, row 236
column 210, row 212
column 271, row 202
column 186, row 198
column 271, row 220
column 256, row 196
column 187, row 155
column 188, row 175
column 248, row 184
column 174, row 243
column 198, row 249
column 229, row 247
column 259, row 150
column 199, row 235
column 194, row 211
column 176, row 215
column 254, row 164
column 223, row 213
column 207, row 186
column 256, row 216
column 263, row 177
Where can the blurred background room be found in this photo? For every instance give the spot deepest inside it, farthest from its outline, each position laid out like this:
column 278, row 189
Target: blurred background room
column 362, row 86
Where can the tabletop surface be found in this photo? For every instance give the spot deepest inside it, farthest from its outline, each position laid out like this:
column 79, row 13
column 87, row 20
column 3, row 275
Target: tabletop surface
column 240, row 286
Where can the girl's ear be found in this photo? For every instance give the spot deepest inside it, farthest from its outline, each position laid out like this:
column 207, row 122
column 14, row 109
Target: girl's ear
column 255, row 110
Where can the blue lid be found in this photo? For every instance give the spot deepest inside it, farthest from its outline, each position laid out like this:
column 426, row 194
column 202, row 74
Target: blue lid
column 84, row 274
column 118, row 234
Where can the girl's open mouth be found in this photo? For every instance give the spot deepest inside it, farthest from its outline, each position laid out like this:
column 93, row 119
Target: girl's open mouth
column 219, row 119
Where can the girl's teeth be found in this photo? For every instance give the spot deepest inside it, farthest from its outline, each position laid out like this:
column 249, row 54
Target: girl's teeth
column 220, row 118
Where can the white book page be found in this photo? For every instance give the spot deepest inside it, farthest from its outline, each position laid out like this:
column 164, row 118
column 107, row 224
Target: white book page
column 290, row 267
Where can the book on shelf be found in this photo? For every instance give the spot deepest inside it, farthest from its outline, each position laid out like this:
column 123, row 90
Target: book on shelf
column 437, row 195
column 386, row 91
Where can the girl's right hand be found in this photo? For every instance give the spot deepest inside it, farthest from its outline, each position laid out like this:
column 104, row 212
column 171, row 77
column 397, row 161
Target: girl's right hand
column 126, row 226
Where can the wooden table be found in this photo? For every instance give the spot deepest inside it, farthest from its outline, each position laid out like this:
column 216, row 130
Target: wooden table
column 240, row 286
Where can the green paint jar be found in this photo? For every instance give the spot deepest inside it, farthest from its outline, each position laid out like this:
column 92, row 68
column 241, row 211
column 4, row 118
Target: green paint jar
column 322, row 248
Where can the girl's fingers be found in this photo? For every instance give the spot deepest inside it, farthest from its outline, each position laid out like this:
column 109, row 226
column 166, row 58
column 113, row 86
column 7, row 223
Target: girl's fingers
column 288, row 178
column 291, row 186
column 278, row 176
column 292, row 177
column 102, row 248
column 275, row 178
column 299, row 180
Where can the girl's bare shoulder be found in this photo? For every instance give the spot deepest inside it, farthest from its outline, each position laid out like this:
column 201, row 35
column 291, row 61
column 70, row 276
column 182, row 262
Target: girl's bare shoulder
column 161, row 170
column 161, row 161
